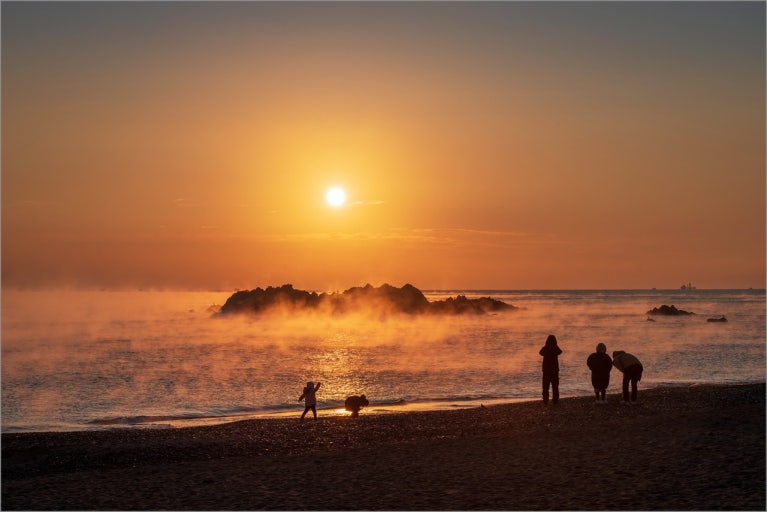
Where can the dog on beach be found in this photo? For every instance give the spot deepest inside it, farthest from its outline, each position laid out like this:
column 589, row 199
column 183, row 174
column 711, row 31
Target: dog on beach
column 355, row 403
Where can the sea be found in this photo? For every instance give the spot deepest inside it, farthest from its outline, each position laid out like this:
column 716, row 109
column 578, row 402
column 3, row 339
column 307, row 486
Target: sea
column 75, row 360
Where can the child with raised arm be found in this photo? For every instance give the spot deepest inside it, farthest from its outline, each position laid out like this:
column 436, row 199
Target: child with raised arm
column 309, row 394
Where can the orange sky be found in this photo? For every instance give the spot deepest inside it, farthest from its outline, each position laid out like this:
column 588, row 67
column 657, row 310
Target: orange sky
column 492, row 145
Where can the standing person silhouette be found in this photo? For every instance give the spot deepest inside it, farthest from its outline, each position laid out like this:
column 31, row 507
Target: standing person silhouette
column 632, row 372
column 550, row 353
column 309, row 394
column 600, row 365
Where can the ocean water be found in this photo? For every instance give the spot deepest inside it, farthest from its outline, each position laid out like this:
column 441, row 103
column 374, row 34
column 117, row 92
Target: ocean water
column 80, row 360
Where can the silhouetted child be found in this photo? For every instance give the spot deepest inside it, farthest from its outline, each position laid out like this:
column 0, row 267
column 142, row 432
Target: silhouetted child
column 311, row 398
column 550, row 353
column 600, row 365
column 355, row 403
column 632, row 372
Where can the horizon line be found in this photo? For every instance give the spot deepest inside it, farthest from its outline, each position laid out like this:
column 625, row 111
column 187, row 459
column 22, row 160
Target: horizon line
column 126, row 288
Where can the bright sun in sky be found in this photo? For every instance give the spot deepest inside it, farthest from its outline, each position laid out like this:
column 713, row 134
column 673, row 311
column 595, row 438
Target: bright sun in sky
column 335, row 197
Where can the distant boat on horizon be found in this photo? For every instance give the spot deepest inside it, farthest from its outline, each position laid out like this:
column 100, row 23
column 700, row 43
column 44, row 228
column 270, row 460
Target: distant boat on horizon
column 688, row 286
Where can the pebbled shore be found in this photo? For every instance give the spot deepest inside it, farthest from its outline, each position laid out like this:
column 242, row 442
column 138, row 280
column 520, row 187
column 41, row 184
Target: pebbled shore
column 685, row 448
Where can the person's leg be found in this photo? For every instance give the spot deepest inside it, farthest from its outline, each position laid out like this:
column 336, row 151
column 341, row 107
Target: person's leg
column 634, row 374
column 546, row 382
column 306, row 409
column 314, row 411
column 626, row 387
column 555, row 388
column 596, row 392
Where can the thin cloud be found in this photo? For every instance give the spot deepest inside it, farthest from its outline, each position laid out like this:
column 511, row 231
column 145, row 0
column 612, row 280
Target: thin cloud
column 182, row 202
column 439, row 236
column 375, row 202
column 30, row 203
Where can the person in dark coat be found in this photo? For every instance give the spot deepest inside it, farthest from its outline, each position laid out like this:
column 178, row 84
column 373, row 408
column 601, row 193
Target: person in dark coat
column 550, row 353
column 632, row 373
column 600, row 365
column 355, row 403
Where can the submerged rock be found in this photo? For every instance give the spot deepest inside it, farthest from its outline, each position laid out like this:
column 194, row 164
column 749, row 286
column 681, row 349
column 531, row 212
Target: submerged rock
column 383, row 300
column 669, row 311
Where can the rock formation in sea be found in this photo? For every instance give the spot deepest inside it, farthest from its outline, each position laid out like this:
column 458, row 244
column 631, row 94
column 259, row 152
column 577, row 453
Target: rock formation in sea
column 383, row 300
column 669, row 311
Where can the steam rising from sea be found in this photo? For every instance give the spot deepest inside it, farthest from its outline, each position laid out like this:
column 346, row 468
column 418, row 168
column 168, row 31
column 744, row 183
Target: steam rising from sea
column 74, row 360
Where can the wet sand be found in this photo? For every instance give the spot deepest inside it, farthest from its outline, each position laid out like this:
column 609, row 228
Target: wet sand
column 696, row 448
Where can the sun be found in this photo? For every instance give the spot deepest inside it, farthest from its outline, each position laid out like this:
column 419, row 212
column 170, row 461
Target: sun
column 335, row 197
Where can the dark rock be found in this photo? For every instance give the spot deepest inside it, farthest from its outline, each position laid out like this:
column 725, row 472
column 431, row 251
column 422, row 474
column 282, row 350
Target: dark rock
column 259, row 300
column 461, row 305
column 669, row 311
column 384, row 300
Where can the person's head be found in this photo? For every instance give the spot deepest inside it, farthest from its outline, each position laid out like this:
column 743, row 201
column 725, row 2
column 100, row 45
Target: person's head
column 616, row 353
column 310, row 385
column 601, row 348
column 551, row 341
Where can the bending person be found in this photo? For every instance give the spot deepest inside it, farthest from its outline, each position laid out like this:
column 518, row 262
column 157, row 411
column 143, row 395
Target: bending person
column 632, row 372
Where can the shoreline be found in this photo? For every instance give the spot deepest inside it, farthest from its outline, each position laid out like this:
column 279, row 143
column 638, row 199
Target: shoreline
column 165, row 422
column 375, row 409
column 684, row 448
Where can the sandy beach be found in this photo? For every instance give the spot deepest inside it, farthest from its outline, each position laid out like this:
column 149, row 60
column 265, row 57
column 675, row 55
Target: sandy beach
column 686, row 448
